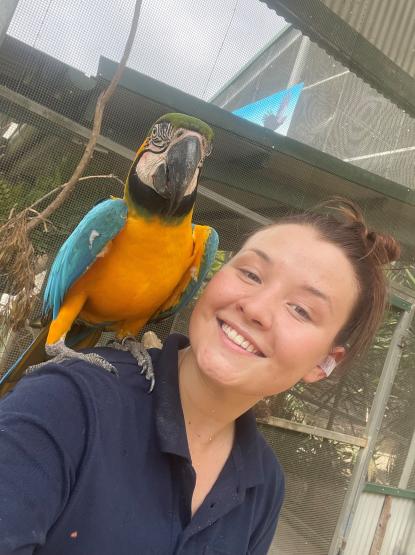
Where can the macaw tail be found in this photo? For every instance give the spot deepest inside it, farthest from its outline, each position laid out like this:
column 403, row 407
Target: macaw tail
column 79, row 337
column 34, row 354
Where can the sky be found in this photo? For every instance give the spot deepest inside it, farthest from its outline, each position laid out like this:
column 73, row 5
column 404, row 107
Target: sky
column 193, row 45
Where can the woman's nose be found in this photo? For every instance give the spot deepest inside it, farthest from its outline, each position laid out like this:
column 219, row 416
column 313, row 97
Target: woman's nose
column 257, row 309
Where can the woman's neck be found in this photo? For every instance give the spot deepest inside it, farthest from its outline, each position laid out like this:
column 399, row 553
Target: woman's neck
column 209, row 411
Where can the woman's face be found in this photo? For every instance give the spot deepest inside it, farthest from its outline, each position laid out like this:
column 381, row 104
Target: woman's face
column 268, row 318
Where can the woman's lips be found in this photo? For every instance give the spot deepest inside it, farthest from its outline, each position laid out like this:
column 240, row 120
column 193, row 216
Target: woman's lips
column 253, row 349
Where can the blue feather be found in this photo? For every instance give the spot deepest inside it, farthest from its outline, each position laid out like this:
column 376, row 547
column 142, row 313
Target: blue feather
column 98, row 227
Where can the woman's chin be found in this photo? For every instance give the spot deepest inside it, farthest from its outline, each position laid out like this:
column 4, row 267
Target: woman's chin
column 215, row 366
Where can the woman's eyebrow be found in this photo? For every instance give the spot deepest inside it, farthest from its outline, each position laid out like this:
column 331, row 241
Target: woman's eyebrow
column 316, row 292
column 261, row 254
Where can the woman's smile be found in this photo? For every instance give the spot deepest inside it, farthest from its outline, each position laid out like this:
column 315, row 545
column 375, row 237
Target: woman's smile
column 238, row 340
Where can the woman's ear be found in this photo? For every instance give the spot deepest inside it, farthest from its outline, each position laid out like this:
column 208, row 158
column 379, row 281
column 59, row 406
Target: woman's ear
column 338, row 353
column 326, row 366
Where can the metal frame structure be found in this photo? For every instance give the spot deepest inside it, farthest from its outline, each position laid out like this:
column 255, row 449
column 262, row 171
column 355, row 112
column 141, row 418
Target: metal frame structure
column 380, row 400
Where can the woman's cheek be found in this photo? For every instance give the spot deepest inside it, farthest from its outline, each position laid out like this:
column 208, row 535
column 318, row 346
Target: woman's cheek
column 223, row 282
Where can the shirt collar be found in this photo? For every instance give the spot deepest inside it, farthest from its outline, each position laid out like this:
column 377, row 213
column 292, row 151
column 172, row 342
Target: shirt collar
column 170, row 425
column 247, row 449
column 168, row 408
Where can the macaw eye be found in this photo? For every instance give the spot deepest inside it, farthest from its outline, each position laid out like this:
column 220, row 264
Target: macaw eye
column 161, row 135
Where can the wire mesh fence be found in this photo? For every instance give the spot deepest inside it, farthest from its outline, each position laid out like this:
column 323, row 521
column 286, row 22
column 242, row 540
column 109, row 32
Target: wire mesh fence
column 51, row 75
column 317, row 474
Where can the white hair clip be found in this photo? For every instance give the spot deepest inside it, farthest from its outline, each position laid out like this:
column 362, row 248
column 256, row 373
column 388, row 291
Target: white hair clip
column 328, row 365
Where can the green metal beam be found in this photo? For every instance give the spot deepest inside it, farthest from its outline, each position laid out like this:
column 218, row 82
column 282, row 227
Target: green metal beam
column 400, row 296
column 182, row 102
column 399, row 302
column 387, row 490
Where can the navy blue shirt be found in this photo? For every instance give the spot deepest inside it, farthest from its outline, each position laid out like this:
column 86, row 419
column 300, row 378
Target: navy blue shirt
column 91, row 464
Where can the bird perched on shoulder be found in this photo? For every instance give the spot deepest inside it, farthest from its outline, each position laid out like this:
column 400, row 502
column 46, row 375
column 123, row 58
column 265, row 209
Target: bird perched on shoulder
column 132, row 260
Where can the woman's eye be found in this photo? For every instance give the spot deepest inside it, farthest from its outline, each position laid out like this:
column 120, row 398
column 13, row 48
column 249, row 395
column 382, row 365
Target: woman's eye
column 251, row 275
column 302, row 312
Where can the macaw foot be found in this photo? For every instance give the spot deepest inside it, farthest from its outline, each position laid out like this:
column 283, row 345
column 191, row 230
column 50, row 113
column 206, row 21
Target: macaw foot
column 140, row 354
column 59, row 351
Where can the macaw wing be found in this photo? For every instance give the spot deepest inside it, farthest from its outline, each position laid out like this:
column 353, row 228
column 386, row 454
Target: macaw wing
column 98, row 227
column 207, row 244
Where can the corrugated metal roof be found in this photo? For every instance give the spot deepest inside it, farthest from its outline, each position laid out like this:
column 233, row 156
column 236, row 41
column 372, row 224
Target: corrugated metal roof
column 387, row 24
column 375, row 39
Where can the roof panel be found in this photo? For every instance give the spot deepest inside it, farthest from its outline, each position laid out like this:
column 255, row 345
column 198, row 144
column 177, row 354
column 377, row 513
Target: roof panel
column 387, row 24
column 374, row 38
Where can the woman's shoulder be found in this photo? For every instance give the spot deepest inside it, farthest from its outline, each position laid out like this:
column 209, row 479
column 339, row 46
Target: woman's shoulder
column 76, row 385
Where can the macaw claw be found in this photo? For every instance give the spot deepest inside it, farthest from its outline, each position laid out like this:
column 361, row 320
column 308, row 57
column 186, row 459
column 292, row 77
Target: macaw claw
column 59, row 351
column 140, row 354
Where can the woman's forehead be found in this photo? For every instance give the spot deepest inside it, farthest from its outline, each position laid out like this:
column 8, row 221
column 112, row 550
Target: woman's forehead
column 289, row 233
column 301, row 249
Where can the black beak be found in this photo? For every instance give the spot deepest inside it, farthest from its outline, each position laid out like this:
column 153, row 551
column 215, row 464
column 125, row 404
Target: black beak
column 172, row 178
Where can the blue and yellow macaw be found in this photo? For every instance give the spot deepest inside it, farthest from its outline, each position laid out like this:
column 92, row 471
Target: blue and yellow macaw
column 133, row 260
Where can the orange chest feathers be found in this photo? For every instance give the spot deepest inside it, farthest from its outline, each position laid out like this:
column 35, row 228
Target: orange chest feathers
column 138, row 270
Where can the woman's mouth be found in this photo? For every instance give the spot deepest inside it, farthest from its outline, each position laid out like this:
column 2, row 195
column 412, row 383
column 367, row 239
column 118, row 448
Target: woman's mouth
column 239, row 340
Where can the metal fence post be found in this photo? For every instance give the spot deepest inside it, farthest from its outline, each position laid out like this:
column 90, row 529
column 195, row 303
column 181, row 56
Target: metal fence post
column 380, row 400
column 300, row 61
column 7, row 9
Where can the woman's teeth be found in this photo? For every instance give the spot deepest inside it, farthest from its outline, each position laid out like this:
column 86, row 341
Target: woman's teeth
column 234, row 336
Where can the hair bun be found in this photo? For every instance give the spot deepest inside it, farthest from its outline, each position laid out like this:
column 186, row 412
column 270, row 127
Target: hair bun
column 383, row 247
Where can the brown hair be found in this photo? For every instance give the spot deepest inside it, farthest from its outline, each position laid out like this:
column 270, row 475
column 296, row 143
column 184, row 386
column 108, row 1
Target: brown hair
column 340, row 222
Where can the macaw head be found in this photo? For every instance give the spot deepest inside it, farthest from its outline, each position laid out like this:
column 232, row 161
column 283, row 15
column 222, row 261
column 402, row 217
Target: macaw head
column 164, row 175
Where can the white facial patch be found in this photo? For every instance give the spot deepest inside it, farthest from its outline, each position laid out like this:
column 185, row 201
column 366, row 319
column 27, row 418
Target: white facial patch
column 147, row 166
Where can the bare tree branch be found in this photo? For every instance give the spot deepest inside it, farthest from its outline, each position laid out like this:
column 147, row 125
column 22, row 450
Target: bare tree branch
column 96, row 128
column 85, row 178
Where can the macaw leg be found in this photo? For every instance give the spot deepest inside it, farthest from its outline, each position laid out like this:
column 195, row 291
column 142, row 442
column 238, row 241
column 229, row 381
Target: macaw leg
column 126, row 341
column 68, row 312
column 141, row 356
column 55, row 343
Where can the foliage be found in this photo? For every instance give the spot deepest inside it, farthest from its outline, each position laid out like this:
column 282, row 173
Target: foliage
column 23, row 192
column 404, row 276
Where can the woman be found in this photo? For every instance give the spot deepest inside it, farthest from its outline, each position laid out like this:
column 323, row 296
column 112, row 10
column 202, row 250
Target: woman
column 92, row 464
